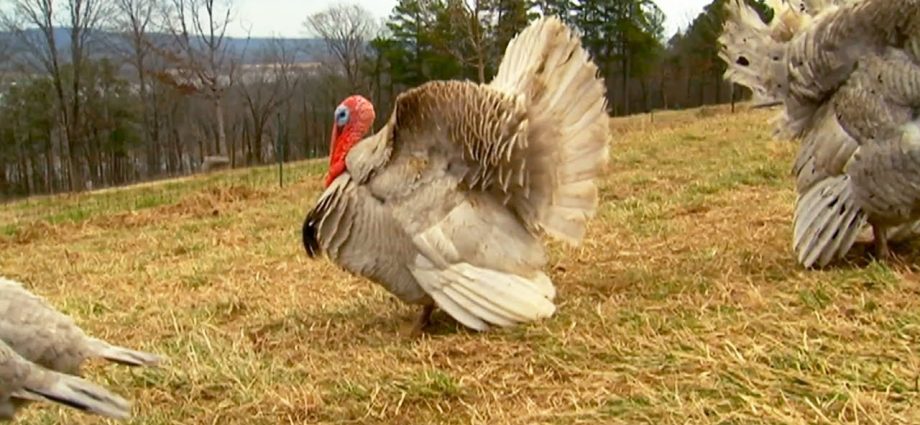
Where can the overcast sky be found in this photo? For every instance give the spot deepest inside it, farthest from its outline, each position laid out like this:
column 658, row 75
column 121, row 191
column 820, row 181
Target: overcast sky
column 285, row 17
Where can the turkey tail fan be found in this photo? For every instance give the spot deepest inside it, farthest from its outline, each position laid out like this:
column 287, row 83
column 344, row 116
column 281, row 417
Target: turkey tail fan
column 548, row 71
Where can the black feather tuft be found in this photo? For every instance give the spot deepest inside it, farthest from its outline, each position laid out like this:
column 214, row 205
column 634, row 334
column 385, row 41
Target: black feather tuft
column 310, row 243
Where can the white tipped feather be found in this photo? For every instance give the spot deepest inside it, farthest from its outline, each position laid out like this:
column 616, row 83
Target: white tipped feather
column 545, row 286
column 827, row 222
column 478, row 297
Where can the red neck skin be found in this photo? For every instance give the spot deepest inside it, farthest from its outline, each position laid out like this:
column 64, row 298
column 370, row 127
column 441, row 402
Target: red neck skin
column 341, row 144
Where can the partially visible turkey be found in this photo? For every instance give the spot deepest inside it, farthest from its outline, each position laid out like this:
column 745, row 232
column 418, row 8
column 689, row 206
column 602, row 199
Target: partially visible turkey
column 848, row 79
column 445, row 204
column 22, row 381
column 45, row 338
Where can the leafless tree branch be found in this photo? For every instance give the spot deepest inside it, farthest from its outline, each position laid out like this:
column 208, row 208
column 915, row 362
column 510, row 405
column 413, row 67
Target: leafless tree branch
column 346, row 29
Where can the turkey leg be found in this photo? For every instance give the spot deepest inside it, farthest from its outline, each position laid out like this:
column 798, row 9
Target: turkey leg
column 881, row 242
column 424, row 318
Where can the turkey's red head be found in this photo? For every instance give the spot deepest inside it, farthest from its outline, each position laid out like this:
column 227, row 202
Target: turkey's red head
column 353, row 118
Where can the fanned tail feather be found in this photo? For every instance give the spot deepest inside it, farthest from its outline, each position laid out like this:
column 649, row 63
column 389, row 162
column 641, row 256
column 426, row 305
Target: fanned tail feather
column 74, row 392
column 827, row 222
column 123, row 355
column 478, row 297
column 550, row 73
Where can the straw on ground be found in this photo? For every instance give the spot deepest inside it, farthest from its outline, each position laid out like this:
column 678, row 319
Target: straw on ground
column 683, row 306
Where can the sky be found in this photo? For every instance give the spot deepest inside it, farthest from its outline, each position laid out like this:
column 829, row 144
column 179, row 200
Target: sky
column 285, row 18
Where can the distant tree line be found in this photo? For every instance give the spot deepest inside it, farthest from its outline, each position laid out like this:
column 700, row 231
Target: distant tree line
column 98, row 93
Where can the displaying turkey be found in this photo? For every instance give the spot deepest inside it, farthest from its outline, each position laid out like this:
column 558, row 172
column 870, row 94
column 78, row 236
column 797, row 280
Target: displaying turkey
column 22, row 380
column 848, row 80
column 41, row 335
column 445, row 204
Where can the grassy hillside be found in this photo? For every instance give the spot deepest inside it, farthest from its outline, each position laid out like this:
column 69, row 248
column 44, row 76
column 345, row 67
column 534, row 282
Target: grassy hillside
column 683, row 306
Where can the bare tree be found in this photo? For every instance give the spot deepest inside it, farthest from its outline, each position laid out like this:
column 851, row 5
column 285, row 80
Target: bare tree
column 471, row 19
column 264, row 89
column 346, row 29
column 42, row 52
column 134, row 22
column 199, row 32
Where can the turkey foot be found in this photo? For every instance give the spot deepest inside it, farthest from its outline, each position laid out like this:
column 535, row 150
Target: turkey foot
column 424, row 318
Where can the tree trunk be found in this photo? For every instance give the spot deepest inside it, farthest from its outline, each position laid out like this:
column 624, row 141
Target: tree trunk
column 4, row 183
column 232, row 155
column 247, row 142
column 664, row 92
column 718, row 82
column 25, row 178
column 258, row 132
column 307, row 153
column 731, row 92
column 702, row 92
column 626, row 66
column 221, row 132
column 177, row 151
column 158, row 147
column 646, row 95
column 315, row 144
column 49, row 166
column 74, row 171
column 201, row 153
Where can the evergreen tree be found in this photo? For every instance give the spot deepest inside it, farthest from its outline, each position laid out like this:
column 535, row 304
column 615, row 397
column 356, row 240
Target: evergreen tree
column 512, row 16
column 418, row 30
column 701, row 44
column 565, row 9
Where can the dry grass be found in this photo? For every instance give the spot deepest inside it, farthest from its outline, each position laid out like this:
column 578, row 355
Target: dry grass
column 683, row 306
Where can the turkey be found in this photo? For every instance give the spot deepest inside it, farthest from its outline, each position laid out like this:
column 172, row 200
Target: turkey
column 47, row 338
column 22, row 380
column 445, row 205
column 848, row 81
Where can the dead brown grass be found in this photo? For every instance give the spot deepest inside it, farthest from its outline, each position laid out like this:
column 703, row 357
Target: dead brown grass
column 684, row 305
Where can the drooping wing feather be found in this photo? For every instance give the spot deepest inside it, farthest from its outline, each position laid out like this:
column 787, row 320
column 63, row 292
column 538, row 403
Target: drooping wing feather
column 358, row 232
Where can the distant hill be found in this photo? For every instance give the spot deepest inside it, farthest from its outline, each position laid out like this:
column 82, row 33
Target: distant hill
column 109, row 44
